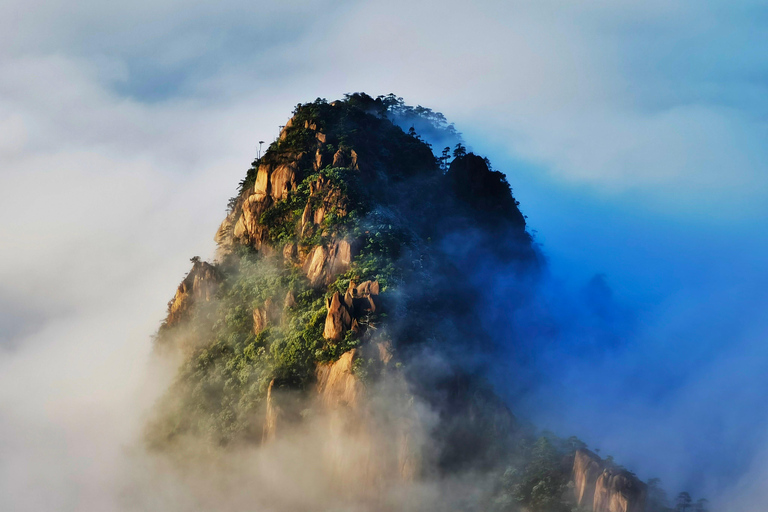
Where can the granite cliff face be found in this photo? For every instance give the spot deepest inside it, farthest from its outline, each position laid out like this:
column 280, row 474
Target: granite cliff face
column 200, row 285
column 344, row 297
column 601, row 488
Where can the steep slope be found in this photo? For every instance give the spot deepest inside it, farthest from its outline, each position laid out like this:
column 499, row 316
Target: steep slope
column 348, row 296
column 602, row 488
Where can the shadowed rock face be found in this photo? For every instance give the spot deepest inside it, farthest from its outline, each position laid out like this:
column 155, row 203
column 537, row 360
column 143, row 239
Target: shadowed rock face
column 605, row 489
column 483, row 193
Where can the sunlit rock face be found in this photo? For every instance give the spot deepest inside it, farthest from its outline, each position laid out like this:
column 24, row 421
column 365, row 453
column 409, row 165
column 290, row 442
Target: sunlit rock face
column 345, row 313
column 587, row 468
column 605, row 489
column 200, row 285
column 370, row 435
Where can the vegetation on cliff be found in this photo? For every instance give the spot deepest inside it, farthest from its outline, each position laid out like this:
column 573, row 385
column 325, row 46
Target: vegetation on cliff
column 357, row 183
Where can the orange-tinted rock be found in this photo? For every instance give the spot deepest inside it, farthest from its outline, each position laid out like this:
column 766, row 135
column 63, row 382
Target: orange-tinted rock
column 587, row 467
column 381, row 449
column 619, row 491
column 600, row 488
column 385, row 351
column 338, row 321
column 338, row 159
column 261, row 187
column 259, row 320
column 283, row 180
column 272, row 414
column 200, row 285
column 339, row 259
column 318, row 216
column 247, row 228
column 337, row 384
column 284, row 131
column 324, row 264
column 315, row 265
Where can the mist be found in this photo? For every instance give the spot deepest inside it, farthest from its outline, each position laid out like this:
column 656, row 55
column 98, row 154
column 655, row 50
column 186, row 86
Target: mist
column 633, row 134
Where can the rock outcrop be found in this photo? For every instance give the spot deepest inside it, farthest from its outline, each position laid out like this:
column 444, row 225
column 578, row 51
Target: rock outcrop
column 325, row 262
column 360, row 442
column 347, row 312
column 200, row 285
column 338, row 321
column 361, row 438
column 602, row 488
column 619, row 491
column 587, row 468
column 337, row 386
column 275, row 179
column 277, row 175
column 271, row 416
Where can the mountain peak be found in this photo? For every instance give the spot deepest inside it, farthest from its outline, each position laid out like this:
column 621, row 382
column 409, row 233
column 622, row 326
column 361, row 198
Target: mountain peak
column 348, row 296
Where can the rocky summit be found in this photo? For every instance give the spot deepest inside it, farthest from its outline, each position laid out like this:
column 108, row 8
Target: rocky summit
column 349, row 297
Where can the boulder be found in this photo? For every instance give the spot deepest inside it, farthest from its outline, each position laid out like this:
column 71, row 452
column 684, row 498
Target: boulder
column 284, row 131
column 318, row 216
column 247, row 229
column 363, row 297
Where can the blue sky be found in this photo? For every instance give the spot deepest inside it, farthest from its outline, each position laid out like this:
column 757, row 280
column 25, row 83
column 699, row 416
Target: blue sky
column 633, row 133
